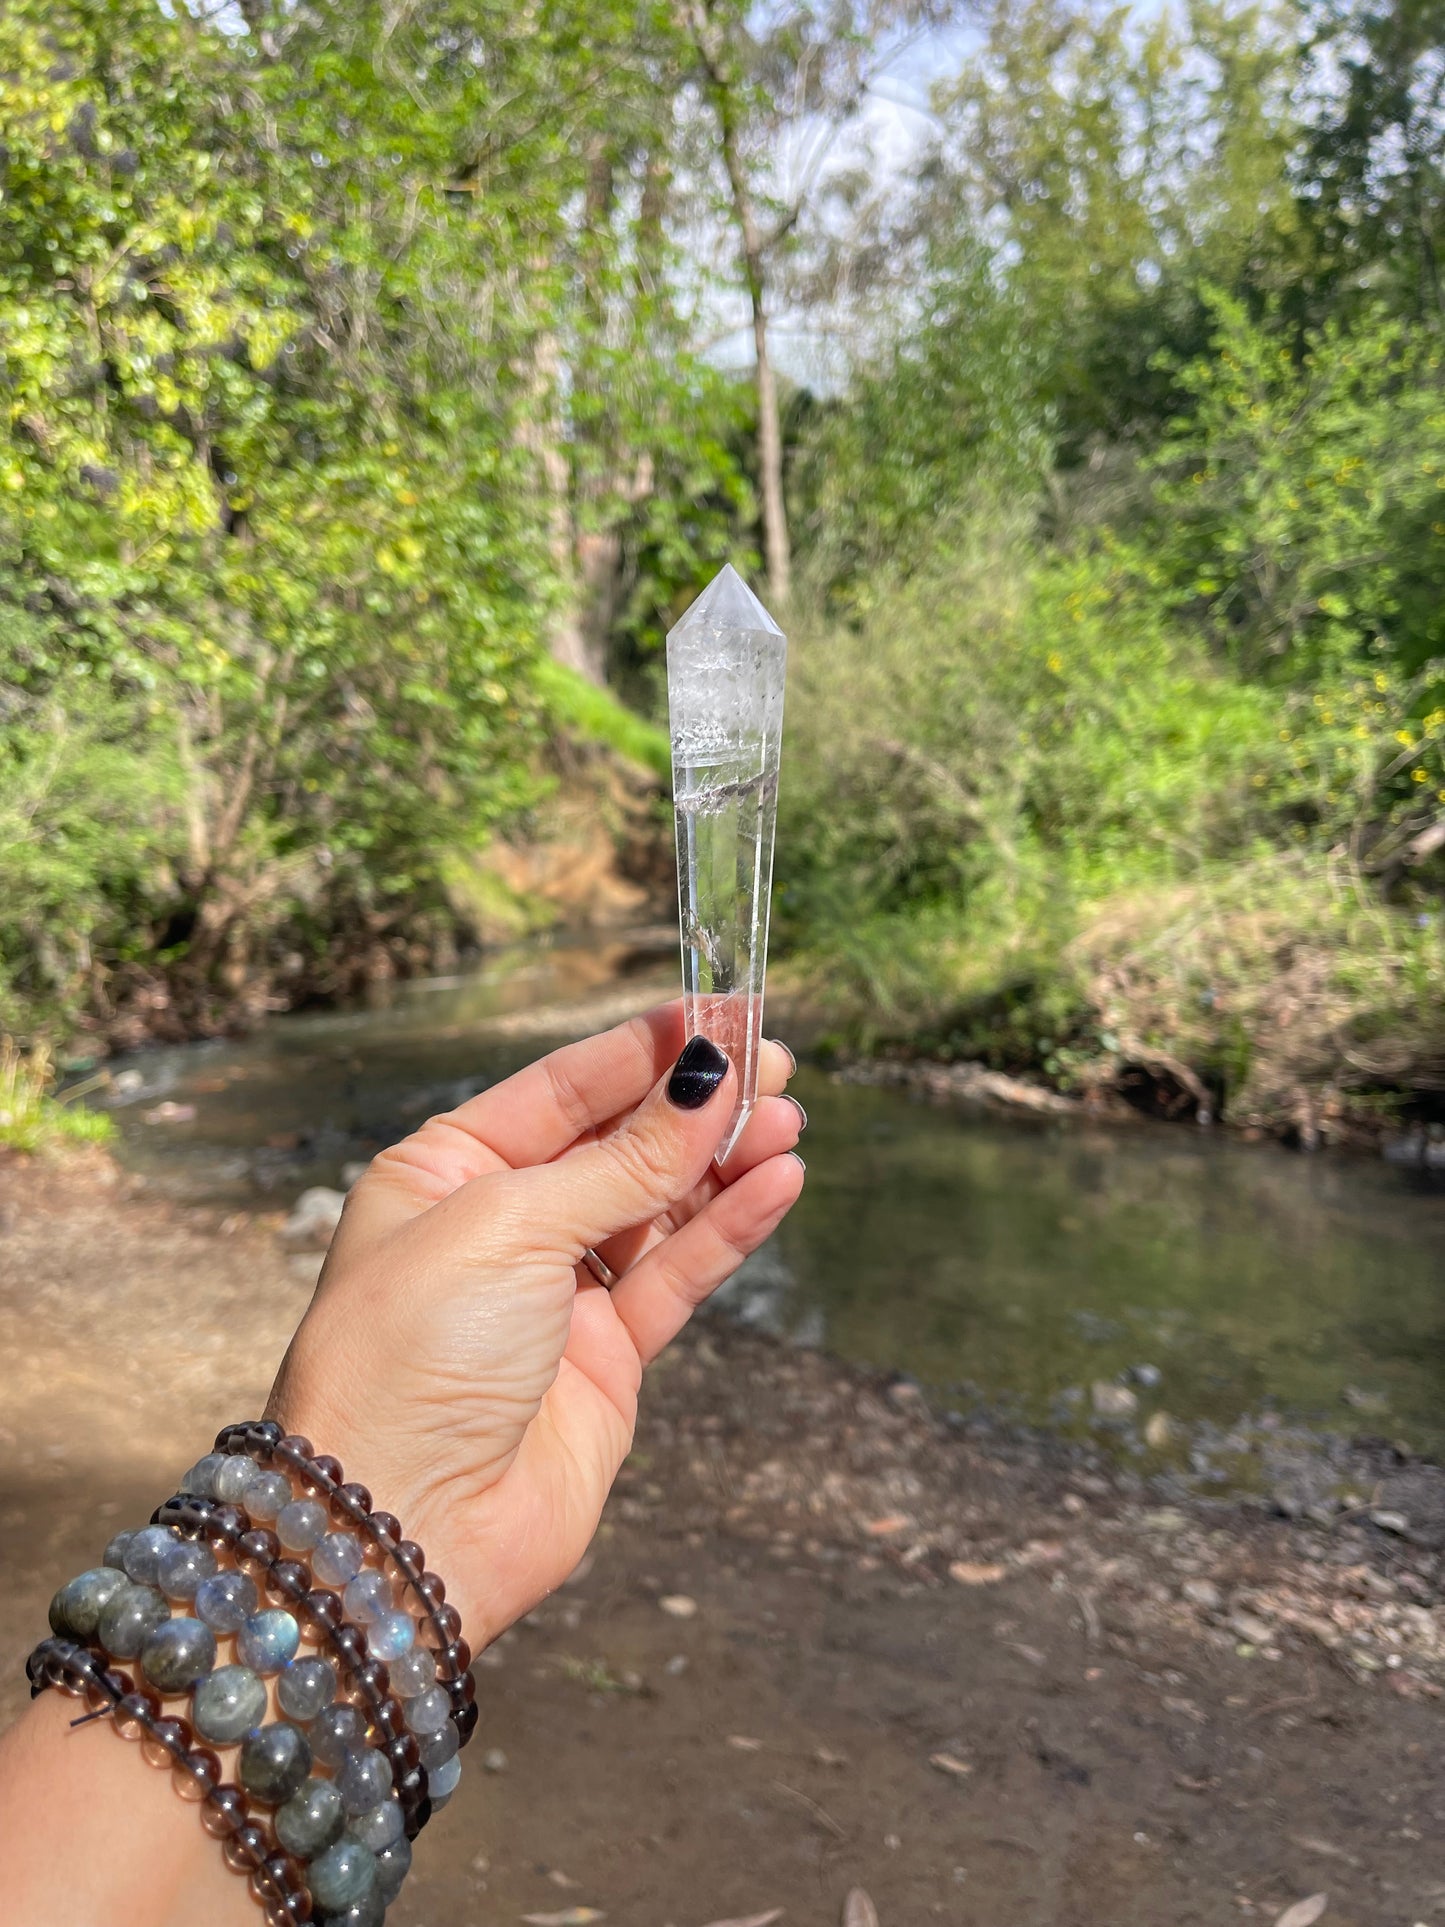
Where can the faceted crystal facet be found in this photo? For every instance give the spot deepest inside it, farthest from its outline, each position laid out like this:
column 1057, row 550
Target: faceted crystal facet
column 726, row 668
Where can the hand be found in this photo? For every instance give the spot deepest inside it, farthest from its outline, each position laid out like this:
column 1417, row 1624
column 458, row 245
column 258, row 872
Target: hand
column 461, row 1361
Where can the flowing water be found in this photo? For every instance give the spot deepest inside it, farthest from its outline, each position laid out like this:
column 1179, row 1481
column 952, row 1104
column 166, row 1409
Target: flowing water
column 1007, row 1265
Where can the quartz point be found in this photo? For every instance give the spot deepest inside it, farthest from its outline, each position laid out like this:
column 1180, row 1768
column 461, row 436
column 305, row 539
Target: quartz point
column 726, row 669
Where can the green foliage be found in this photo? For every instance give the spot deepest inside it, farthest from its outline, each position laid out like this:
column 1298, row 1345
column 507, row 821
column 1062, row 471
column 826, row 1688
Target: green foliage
column 31, row 1119
column 596, row 715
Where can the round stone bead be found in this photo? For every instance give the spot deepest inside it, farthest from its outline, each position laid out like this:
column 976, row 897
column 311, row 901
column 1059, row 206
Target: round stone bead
column 337, row 1558
column 442, row 1784
column 378, row 1826
column 370, row 1912
column 75, row 1610
column 363, row 1779
column 437, row 1748
column 311, row 1820
column 336, row 1732
column 268, row 1641
column 413, row 1673
column 200, row 1480
column 128, row 1618
column 342, row 1876
column 393, row 1864
column 177, row 1654
column 182, row 1567
column 143, row 1554
column 265, row 1494
column 228, row 1704
column 367, row 1596
column 275, row 1761
column 115, row 1552
column 388, row 1637
column 226, row 1601
column 428, row 1712
column 307, row 1687
column 231, row 1478
column 301, row 1524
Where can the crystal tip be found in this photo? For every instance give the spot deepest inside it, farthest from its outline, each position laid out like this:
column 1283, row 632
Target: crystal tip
column 727, row 603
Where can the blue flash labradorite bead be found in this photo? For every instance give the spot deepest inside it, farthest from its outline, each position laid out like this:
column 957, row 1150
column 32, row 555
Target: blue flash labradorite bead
column 226, row 1601
column 335, row 1732
column 143, row 1554
column 182, row 1567
column 342, row 1876
column 428, row 1712
column 337, row 1558
column 437, row 1748
column 268, row 1640
column 231, row 1477
column 370, row 1912
column 388, row 1637
column 274, row 1763
column 306, row 1688
column 228, row 1704
column 393, row 1864
column 177, row 1654
column 367, row 1596
column 114, row 1554
column 75, row 1610
column 379, row 1826
column 442, row 1784
column 415, row 1672
column 265, row 1494
column 301, row 1524
column 128, row 1618
column 200, row 1480
column 311, row 1820
column 363, row 1779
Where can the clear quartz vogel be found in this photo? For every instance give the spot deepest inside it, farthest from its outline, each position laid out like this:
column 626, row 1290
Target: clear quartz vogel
column 726, row 669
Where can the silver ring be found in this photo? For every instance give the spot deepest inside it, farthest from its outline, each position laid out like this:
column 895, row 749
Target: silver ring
column 603, row 1273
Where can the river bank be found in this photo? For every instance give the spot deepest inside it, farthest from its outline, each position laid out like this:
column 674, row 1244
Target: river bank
column 825, row 1638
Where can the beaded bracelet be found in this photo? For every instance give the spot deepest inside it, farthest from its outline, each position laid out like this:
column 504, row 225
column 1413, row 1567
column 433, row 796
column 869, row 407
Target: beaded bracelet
column 262, row 1441
column 275, row 1879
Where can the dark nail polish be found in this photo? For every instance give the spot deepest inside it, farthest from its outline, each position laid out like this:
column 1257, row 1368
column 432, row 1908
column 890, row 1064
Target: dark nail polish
column 696, row 1074
column 802, row 1114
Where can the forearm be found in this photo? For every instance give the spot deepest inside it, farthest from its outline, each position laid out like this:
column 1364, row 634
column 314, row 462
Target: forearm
column 97, row 1837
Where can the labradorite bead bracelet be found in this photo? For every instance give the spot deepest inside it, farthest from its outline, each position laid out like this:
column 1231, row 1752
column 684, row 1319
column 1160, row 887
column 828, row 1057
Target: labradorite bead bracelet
column 324, row 1488
column 275, row 1878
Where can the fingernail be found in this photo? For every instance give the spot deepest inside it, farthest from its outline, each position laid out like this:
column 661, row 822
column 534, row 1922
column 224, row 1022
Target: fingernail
column 793, row 1154
column 802, row 1114
column 792, row 1061
column 696, row 1074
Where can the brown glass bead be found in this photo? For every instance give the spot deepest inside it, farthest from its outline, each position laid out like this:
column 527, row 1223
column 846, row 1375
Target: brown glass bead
column 427, row 1592
column 410, row 1560
column 453, row 1661
column 461, row 1691
column 261, row 1438
column 410, row 1785
column 136, row 1714
column 226, row 1528
column 194, row 1775
column 277, row 1876
column 322, row 1610
column 326, row 1473
column 224, row 1437
column 441, row 1628
column 293, row 1911
column 384, row 1531
column 388, row 1722
column 466, row 1721
column 295, row 1451
column 289, row 1579
column 224, row 1810
column 257, row 1551
column 353, row 1501
column 403, row 1753
column 169, row 1740
column 372, row 1680
column 421, row 1814
column 348, row 1643
column 246, row 1849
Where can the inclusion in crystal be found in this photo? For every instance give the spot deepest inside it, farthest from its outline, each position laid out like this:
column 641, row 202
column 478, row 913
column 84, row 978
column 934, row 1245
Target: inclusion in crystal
column 726, row 669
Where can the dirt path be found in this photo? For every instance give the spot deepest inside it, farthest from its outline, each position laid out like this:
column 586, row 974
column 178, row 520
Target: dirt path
column 959, row 1675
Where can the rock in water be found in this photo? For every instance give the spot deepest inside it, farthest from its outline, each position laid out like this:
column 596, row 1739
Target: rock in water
column 313, row 1221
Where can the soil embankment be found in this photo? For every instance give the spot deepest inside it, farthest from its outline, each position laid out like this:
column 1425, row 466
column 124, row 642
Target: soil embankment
column 822, row 1640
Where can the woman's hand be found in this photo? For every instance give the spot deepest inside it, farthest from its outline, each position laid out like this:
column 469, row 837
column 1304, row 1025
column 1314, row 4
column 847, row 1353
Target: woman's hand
column 461, row 1360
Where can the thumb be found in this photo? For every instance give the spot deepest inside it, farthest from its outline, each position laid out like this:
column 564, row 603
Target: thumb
column 652, row 1160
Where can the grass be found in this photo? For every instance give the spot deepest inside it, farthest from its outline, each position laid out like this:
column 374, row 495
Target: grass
column 31, row 1117
column 597, row 715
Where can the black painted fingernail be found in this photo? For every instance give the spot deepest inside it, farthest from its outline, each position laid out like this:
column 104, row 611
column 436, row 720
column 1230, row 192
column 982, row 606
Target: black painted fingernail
column 696, row 1074
column 802, row 1114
